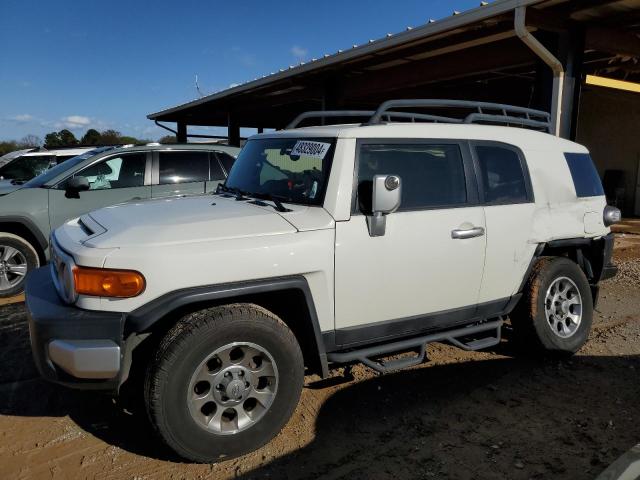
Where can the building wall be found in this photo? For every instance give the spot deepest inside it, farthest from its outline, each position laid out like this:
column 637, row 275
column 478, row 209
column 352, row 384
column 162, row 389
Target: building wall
column 609, row 125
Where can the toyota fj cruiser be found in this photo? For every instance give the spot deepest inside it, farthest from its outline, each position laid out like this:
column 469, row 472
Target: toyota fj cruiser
column 326, row 246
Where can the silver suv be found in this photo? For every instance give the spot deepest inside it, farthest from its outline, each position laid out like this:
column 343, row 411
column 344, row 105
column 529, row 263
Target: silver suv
column 95, row 179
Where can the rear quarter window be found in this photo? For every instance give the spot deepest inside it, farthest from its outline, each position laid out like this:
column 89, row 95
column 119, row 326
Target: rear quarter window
column 585, row 176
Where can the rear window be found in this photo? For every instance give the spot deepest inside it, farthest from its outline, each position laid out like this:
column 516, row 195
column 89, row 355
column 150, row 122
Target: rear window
column 585, row 176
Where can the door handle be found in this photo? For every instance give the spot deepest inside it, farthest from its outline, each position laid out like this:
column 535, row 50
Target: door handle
column 467, row 233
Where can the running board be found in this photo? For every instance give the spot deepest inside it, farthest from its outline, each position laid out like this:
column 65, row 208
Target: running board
column 458, row 337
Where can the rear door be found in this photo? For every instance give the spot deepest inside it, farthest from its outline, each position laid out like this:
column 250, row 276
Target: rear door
column 507, row 195
column 115, row 179
column 179, row 172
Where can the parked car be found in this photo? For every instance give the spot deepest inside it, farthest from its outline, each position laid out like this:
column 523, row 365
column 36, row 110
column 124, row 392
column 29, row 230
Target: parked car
column 97, row 178
column 7, row 157
column 325, row 246
column 31, row 164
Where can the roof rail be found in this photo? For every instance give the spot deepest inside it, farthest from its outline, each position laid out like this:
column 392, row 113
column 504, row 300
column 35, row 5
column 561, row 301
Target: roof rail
column 368, row 114
column 483, row 112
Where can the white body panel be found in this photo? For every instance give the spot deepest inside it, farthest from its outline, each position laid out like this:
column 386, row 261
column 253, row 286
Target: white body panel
column 415, row 268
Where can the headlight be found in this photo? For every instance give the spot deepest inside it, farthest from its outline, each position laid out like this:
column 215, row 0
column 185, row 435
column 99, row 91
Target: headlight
column 106, row 282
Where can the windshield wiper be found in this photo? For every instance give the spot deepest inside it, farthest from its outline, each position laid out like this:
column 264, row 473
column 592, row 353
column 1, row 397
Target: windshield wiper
column 240, row 195
column 267, row 196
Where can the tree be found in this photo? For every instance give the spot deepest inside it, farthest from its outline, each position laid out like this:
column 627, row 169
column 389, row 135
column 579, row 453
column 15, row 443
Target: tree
column 67, row 138
column 7, row 146
column 110, row 137
column 52, row 140
column 30, row 141
column 168, row 139
column 92, row 137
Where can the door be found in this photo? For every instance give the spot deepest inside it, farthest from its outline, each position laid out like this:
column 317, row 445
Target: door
column 507, row 195
column 179, row 173
column 115, row 179
column 426, row 270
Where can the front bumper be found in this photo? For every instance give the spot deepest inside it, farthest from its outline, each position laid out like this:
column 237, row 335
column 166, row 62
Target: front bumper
column 74, row 347
column 609, row 270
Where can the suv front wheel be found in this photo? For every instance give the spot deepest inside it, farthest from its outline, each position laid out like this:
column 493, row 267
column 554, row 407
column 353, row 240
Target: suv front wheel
column 556, row 311
column 223, row 382
column 17, row 258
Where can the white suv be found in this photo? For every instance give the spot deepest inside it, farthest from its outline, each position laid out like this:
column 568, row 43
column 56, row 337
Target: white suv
column 326, row 246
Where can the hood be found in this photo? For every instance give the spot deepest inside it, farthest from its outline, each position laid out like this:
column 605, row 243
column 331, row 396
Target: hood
column 182, row 220
column 7, row 187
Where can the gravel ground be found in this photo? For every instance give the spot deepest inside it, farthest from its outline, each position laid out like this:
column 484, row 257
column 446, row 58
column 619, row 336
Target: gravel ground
column 481, row 415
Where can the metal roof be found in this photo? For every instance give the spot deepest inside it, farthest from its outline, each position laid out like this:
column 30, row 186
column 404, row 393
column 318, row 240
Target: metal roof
column 216, row 107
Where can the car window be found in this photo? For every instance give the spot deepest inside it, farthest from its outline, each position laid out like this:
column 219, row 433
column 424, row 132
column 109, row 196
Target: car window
column 584, row 174
column 215, row 170
column 502, row 175
column 432, row 175
column 26, row 167
column 121, row 171
column 183, row 167
column 226, row 160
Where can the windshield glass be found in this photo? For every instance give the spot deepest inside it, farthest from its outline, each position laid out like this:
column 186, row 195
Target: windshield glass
column 293, row 170
column 64, row 166
column 26, row 167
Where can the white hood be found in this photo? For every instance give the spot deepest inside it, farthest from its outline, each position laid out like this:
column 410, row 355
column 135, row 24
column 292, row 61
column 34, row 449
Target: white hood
column 184, row 220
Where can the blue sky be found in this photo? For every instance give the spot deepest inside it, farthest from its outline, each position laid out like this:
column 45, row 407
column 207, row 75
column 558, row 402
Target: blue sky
column 107, row 64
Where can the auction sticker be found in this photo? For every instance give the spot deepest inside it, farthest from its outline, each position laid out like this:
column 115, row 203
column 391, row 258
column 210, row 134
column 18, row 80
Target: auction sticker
column 305, row 148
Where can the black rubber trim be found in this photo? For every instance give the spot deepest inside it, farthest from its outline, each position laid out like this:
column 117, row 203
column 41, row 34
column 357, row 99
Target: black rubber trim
column 379, row 332
column 143, row 318
column 49, row 319
column 536, row 255
column 29, row 225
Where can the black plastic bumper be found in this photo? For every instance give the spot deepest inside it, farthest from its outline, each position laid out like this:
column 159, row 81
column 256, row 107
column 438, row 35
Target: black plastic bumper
column 51, row 319
column 608, row 268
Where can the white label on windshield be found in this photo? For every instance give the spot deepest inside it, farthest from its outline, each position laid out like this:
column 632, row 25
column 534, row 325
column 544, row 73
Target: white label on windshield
column 304, row 148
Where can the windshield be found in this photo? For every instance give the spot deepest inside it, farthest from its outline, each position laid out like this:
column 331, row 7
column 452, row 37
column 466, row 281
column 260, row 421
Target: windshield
column 26, row 167
column 293, row 170
column 62, row 167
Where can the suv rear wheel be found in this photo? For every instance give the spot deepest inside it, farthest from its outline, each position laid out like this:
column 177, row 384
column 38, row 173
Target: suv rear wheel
column 17, row 258
column 556, row 311
column 223, row 382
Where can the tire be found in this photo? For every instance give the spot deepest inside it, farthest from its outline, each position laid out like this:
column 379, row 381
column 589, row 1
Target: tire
column 548, row 319
column 187, row 355
column 17, row 258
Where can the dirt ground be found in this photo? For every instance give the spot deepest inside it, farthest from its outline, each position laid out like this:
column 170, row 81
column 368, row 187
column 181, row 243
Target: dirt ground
column 480, row 415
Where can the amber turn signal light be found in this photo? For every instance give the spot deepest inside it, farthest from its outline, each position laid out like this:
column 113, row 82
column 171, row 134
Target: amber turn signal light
column 105, row 282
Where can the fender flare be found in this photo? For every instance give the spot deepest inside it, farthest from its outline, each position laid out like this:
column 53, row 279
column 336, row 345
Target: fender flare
column 143, row 318
column 29, row 225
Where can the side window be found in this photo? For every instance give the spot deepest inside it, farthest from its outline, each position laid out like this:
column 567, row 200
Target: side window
column 121, row 171
column 502, row 176
column 226, row 160
column 584, row 174
column 215, row 170
column 432, row 176
column 183, row 167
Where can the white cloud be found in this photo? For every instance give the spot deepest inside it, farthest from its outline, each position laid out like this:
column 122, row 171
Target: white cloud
column 299, row 53
column 73, row 122
column 23, row 118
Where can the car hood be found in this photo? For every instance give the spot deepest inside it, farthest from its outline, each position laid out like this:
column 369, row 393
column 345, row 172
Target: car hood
column 7, row 187
column 191, row 219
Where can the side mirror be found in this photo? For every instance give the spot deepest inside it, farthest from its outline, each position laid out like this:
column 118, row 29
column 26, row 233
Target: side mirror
column 75, row 185
column 385, row 199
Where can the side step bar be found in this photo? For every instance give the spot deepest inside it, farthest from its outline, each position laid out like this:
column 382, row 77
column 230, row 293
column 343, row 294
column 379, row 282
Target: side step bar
column 419, row 344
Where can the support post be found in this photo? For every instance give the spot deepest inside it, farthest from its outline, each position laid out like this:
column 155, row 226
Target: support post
column 181, row 137
column 233, row 134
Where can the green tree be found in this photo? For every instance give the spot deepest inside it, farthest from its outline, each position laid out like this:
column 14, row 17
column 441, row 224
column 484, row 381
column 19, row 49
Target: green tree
column 92, row 137
column 110, row 137
column 52, row 140
column 7, row 146
column 67, row 138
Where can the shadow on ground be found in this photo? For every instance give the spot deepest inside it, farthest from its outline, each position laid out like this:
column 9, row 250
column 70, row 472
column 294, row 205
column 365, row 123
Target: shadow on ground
column 496, row 418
